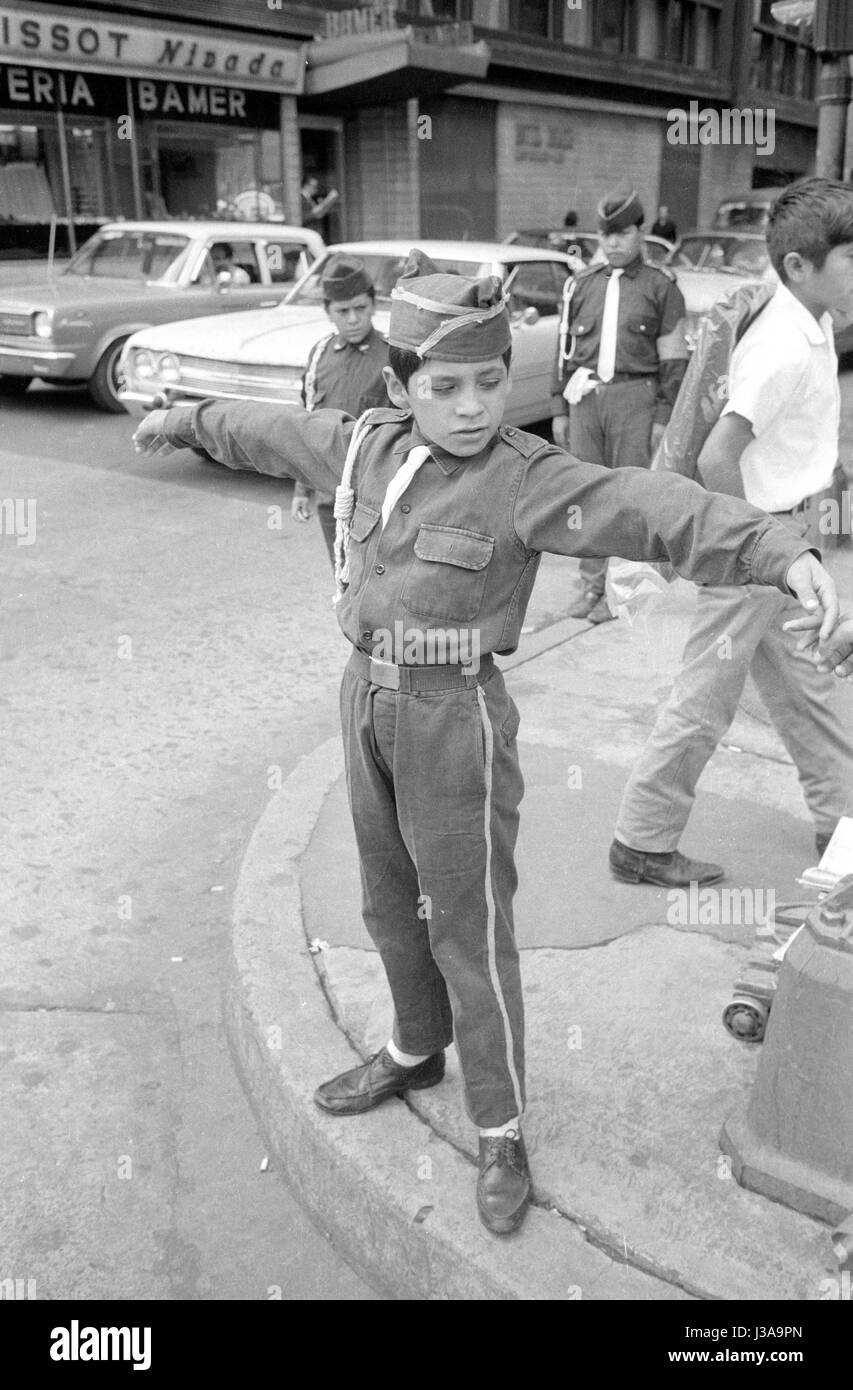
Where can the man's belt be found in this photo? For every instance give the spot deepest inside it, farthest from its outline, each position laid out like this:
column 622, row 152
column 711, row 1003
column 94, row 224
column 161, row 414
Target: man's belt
column 619, row 377
column 794, row 511
column 413, row 680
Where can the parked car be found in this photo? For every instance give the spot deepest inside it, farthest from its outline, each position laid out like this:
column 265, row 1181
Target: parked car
column 746, row 211
column 708, row 266
column 70, row 327
column 584, row 244
column 261, row 355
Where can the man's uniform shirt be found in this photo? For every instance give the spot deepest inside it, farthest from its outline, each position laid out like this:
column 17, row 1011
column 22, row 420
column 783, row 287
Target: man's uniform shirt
column 651, row 308
column 462, row 544
column 783, row 379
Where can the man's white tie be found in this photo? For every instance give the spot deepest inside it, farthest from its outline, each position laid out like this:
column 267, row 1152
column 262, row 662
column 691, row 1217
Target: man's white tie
column 609, row 323
column 401, row 479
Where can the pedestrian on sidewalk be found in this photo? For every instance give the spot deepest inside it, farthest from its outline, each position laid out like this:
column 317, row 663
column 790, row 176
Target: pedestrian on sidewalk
column 444, row 515
column 344, row 370
column 775, row 444
column 623, row 355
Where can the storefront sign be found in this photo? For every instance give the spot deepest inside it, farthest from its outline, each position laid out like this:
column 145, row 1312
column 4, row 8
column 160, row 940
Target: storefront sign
column 104, row 45
column 542, row 142
column 45, row 89
column 368, row 19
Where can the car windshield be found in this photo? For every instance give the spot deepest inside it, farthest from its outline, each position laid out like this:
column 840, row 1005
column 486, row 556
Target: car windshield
column 738, row 255
column 384, row 271
column 128, row 255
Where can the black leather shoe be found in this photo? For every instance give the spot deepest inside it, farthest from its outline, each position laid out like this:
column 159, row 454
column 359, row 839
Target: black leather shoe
column 671, row 870
column 601, row 612
column 503, row 1186
column 377, row 1079
column 585, row 605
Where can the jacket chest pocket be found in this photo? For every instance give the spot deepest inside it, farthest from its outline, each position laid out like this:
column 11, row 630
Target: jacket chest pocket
column 644, row 325
column 447, row 577
column 364, row 520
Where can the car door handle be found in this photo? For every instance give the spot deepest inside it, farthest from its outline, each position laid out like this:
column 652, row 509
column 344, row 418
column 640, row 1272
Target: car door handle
column 268, row 303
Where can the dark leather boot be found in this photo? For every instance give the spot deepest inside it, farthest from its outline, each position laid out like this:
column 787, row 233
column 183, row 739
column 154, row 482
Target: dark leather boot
column 503, row 1186
column 583, row 606
column 377, row 1079
column 671, row 870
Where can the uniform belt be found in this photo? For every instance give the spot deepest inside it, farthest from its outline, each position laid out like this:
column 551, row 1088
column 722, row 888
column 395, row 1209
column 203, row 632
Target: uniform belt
column 794, row 511
column 414, row 679
column 619, row 377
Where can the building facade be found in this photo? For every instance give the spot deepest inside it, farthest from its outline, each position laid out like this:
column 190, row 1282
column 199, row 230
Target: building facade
column 438, row 117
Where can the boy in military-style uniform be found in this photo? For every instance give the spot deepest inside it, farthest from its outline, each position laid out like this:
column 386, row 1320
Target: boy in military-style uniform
column 344, row 370
column 444, row 514
column 623, row 355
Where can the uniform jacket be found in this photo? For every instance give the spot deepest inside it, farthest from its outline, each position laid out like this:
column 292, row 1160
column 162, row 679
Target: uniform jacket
column 651, row 307
column 463, row 543
column 343, row 376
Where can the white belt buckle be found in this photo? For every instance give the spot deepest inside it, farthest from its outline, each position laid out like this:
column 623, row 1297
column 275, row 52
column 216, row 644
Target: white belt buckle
column 389, row 667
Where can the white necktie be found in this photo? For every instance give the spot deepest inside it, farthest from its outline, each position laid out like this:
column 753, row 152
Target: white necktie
column 609, row 322
column 401, row 479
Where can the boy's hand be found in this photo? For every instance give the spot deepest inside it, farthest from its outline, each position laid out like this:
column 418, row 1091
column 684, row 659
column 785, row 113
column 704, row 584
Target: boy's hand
column 301, row 509
column 560, row 431
column 833, row 654
column 149, row 437
column 816, row 591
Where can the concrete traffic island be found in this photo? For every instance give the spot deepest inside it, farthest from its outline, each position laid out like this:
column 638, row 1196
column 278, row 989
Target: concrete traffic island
column 630, row 1072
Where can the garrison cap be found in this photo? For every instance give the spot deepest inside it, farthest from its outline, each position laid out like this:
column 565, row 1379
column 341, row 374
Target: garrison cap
column 345, row 277
column 619, row 210
column 440, row 314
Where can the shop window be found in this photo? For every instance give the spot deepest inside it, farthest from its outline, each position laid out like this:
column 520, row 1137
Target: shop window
column 30, row 190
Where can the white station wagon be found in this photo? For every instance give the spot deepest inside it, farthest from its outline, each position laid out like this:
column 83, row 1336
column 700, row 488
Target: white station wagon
column 261, row 355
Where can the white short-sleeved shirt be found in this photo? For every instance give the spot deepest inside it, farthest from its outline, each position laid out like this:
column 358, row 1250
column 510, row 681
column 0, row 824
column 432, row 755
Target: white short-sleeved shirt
column 783, row 378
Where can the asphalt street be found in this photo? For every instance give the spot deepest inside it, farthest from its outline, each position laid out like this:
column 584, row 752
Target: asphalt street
column 168, row 653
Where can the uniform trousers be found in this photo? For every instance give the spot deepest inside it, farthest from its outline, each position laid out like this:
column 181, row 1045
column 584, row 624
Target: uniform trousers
column 612, row 426
column 434, row 787
column 738, row 632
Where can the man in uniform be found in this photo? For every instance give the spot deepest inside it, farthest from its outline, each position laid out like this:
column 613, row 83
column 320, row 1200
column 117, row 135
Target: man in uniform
column 444, row 515
column 344, row 370
column 623, row 354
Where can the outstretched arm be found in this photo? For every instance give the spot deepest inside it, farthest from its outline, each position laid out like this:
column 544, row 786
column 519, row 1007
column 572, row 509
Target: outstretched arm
column 284, row 441
column 572, row 508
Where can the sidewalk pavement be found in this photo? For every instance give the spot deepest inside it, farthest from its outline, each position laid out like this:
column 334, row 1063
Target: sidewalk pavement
column 630, row 1072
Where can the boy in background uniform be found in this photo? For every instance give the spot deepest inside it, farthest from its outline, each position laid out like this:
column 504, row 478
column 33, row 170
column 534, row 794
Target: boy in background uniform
column 444, row 517
column 344, row 370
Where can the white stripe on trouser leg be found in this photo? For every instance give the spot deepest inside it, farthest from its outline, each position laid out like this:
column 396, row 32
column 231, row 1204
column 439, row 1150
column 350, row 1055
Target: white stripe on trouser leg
column 488, row 737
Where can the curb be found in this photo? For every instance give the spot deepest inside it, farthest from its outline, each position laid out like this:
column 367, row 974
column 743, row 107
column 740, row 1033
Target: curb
column 361, row 1178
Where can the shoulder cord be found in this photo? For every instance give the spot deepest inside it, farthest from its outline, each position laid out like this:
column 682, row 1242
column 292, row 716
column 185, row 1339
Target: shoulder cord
column 311, row 370
column 568, row 291
column 345, row 504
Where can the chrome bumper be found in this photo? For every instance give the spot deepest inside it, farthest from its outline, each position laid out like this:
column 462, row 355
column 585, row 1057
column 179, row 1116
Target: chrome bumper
column 34, row 361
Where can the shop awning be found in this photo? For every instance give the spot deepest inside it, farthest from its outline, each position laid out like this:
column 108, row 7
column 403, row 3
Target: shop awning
column 371, row 69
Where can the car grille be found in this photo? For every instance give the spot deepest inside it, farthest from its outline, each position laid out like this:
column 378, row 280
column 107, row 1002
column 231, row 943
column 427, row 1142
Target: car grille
column 203, row 377
column 20, row 324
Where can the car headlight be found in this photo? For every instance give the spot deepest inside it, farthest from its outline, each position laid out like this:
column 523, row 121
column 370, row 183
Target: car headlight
column 143, row 363
column 169, row 368
column 43, row 324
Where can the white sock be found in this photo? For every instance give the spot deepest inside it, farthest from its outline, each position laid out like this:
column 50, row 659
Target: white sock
column 404, row 1059
column 501, row 1130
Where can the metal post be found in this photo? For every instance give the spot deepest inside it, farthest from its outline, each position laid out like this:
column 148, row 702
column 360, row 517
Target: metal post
column 833, row 97
column 139, row 209
column 66, row 180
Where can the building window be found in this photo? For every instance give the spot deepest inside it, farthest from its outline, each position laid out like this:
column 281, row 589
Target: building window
column 533, row 17
column 782, row 61
column 615, row 26
column 688, row 32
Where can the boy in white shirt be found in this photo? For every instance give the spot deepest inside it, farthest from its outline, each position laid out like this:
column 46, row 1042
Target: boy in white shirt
column 775, row 444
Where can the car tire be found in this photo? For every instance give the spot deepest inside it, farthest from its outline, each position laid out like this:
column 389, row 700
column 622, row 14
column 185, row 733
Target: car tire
column 14, row 385
column 103, row 383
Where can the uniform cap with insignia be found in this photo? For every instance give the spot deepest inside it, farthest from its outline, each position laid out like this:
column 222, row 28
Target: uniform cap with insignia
column 619, row 210
column 345, row 277
column 457, row 318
